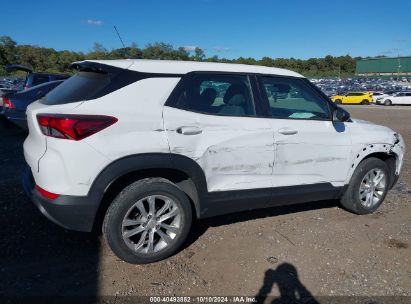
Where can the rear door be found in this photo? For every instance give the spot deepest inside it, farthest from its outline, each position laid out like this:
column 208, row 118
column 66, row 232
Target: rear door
column 309, row 147
column 214, row 120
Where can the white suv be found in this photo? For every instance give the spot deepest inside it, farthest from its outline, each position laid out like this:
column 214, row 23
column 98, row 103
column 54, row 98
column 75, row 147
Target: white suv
column 148, row 146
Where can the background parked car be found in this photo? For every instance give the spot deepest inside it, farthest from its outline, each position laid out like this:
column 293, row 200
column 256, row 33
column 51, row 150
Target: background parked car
column 329, row 91
column 353, row 98
column 376, row 95
column 400, row 98
column 6, row 86
column 35, row 78
column 13, row 106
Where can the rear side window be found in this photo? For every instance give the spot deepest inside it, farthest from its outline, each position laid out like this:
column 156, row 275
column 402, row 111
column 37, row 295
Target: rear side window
column 218, row 94
column 82, row 86
column 87, row 85
column 294, row 99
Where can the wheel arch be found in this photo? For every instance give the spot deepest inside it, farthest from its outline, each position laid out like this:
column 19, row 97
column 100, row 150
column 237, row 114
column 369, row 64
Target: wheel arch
column 182, row 171
column 380, row 151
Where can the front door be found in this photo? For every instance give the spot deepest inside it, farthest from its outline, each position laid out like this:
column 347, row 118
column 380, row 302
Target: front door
column 310, row 147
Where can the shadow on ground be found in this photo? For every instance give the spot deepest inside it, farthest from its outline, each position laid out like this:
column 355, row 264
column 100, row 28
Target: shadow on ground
column 285, row 278
column 36, row 256
column 201, row 226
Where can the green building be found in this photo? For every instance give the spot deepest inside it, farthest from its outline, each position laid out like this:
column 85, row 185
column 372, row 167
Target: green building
column 394, row 66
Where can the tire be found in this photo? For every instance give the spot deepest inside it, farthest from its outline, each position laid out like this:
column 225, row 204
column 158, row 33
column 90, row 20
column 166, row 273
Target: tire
column 338, row 101
column 365, row 102
column 387, row 102
column 125, row 217
column 353, row 200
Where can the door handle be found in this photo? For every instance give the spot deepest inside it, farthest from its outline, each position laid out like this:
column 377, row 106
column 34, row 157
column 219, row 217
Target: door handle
column 287, row 131
column 189, row 130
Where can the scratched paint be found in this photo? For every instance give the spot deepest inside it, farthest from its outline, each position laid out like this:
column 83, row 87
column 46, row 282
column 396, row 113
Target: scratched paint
column 235, row 153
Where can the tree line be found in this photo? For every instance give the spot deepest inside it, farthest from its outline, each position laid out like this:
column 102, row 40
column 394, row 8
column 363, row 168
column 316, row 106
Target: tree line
column 49, row 60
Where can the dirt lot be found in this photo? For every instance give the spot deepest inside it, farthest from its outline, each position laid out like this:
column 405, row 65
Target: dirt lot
column 315, row 248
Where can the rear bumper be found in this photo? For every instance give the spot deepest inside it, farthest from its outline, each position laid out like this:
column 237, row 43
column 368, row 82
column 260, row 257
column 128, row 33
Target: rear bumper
column 70, row 212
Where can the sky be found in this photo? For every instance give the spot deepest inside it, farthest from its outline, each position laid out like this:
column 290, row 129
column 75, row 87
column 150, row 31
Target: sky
column 226, row 28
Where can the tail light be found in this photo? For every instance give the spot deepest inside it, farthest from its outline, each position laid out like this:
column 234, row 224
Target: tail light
column 73, row 127
column 7, row 103
column 46, row 194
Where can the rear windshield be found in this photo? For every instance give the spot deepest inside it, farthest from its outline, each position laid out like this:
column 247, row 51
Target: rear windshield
column 82, row 86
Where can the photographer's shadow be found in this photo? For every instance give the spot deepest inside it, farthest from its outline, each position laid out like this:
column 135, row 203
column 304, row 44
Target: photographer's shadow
column 289, row 285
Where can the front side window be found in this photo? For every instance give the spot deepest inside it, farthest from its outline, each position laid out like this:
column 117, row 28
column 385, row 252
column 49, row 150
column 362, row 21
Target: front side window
column 293, row 98
column 228, row 95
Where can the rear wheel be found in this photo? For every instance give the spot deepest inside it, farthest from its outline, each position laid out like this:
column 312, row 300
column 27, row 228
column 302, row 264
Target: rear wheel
column 148, row 221
column 368, row 187
column 387, row 102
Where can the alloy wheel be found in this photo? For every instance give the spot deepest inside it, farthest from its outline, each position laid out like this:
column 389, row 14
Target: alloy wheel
column 372, row 187
column 151, row 224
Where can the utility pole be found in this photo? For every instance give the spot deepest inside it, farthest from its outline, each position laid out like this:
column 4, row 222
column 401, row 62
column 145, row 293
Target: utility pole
column 399, row 64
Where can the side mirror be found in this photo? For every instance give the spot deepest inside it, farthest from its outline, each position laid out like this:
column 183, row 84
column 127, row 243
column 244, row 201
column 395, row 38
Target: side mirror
column 341, row 115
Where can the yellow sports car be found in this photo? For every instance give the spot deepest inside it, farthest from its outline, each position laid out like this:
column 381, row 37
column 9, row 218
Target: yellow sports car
column 353, row 98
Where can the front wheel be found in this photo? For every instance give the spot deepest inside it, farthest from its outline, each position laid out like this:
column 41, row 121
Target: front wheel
column 387, row 102
column 338, row 101
column 365, row 102
column 368, row 187
column 148, row 221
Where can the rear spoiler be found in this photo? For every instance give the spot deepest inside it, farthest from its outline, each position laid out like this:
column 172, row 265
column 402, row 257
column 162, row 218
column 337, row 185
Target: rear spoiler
column 96, row 67
column 17, row 67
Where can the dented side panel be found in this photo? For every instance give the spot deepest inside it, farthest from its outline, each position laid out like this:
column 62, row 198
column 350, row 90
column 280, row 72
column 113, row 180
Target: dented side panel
column 235, row 152
column 369, row 138
column 318, row 152
column 399, row 150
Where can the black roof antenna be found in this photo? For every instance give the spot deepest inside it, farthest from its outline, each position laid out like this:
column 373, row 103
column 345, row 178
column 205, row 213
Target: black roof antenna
column 121, row 40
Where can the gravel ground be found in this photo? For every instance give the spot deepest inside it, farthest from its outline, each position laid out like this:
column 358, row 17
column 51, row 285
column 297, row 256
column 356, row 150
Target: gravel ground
column 314, row 249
